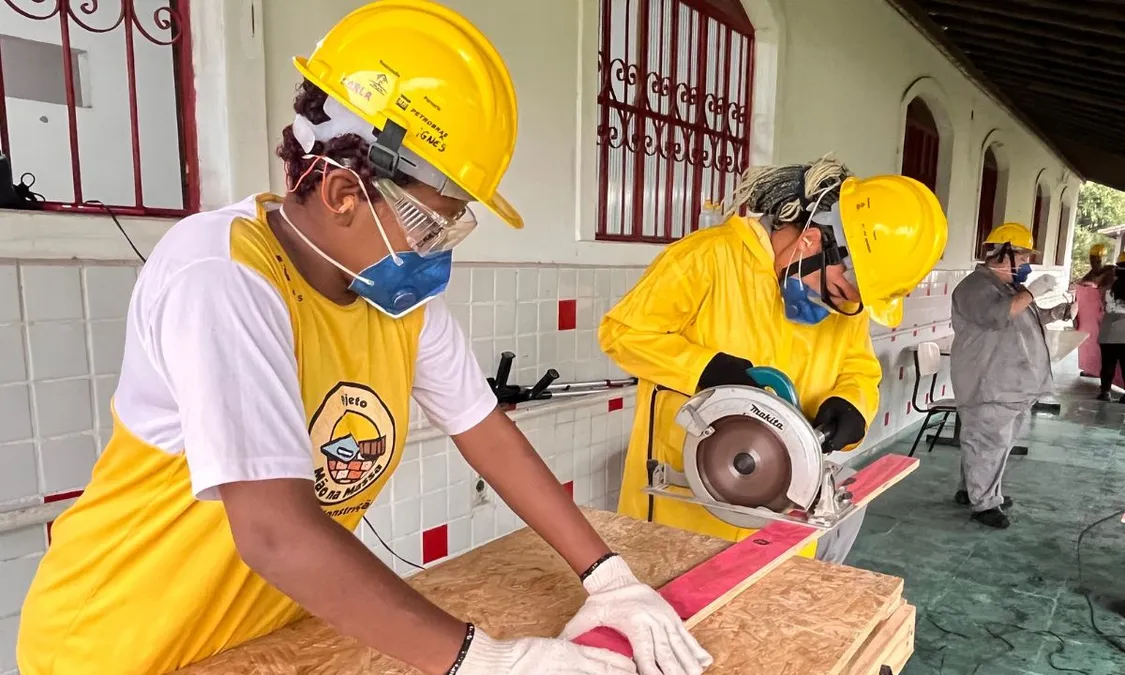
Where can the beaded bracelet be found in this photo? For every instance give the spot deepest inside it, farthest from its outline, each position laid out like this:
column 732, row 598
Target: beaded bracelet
column 470, row 631
column 597, row 563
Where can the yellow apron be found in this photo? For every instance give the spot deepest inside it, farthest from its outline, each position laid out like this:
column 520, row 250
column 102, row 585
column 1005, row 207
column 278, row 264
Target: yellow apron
column 716, row 291
column 102, row 603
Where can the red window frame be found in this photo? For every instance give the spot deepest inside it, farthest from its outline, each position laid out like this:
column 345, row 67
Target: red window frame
column 921, row 145
column 674, row 113
column 1038, row 221
column 986, row 214
column 1064, row 227
column 173, row 29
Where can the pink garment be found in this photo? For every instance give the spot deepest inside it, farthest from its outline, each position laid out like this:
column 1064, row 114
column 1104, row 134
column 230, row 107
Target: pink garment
column 1089, row 320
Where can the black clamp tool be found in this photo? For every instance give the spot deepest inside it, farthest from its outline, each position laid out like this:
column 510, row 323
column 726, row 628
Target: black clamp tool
column 513, row 393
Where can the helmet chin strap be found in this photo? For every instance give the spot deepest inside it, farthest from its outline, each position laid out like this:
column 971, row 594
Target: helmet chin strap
column 830, row 254
column 1006, row 251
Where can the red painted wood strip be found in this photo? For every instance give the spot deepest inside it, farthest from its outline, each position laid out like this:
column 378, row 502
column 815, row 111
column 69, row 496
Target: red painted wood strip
column 879, row 475
column 697, row 588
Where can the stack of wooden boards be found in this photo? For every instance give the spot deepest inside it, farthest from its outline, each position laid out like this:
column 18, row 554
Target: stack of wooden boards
column 754, row 606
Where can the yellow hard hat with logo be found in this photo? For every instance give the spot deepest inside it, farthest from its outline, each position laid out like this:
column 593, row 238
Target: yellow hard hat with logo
column 430, row 82
column 1099, row 250
column 1014, row 234
column 896, row 233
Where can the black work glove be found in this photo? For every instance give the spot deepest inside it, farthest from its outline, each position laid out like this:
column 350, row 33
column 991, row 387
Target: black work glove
column 841, row 424
column 724, row 369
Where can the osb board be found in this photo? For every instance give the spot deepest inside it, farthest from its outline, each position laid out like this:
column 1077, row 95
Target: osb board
column 805, row 618
column 514, row 586
column 891, row 644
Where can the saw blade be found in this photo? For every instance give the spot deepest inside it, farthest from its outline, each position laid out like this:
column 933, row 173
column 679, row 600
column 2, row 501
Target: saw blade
column 744, row 462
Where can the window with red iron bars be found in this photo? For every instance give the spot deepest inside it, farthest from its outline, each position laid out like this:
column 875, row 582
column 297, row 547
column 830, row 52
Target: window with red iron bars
column 674, row 104
column 97, row 105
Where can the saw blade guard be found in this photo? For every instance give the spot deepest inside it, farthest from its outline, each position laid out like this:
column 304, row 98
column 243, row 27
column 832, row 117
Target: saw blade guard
column 706, row 413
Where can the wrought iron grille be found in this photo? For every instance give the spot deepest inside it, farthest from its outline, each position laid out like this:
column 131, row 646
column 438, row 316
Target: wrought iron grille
column 153, row 39
column 674, row 103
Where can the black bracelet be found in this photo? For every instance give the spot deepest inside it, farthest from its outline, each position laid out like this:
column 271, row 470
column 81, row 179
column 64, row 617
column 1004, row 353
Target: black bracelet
column 470, row 631
column 597, row 563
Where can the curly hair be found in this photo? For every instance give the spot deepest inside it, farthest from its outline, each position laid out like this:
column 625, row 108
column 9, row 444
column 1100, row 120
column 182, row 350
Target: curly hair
column 349, row 150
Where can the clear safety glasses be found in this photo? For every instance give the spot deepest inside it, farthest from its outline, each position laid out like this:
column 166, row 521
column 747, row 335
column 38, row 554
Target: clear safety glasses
column 427, row 231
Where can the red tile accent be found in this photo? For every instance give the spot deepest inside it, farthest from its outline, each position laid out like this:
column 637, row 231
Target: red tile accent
column 927, row 398
column 616, row 404
column 569, row 486
column 887, row 420
column 915, row 334
column 933, row 329
column 946, row 291
column 58, row 497
column 568, row 314
column 901, row 372
column 435, row 544
column 943, row 390
column 908, row 408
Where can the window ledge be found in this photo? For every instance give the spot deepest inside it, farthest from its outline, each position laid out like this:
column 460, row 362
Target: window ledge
column 47, row 235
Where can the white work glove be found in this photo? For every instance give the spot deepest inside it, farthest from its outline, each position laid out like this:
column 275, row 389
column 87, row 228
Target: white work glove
column 1041, row 285
column 539, row 656
column 661, row 643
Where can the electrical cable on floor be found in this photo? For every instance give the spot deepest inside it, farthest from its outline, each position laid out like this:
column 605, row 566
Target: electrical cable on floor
column 1010, row 646
column 1110, row 639
column 95, row 202
column 389, row 549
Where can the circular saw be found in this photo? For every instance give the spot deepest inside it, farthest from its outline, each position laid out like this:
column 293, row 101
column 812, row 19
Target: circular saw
column 750, row 456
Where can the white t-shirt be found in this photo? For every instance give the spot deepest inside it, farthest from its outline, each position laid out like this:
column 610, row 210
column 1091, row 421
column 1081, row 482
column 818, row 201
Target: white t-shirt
column 199, row 322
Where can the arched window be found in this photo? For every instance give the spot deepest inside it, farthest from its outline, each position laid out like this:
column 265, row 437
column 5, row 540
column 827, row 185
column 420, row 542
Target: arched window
column 921, row 144
column 1064, row 229
column 1039, row 217
column 989, row 180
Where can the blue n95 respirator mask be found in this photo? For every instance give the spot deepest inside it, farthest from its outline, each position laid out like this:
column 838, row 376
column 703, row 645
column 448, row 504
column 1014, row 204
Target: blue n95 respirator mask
column 804, row 305
column 1021, row 273
column 403, row 281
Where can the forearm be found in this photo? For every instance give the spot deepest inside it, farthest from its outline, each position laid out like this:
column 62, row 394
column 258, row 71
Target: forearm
column 502, row 455
column 329, row 572
column 1021, row 302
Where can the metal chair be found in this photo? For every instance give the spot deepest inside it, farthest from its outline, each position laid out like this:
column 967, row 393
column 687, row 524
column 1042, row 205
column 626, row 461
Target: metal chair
column 927, row 363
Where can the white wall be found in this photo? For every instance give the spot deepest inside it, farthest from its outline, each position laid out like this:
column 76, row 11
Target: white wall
column 38, row 132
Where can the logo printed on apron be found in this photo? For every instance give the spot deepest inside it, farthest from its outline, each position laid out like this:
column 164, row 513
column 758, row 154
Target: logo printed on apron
column 353, row 436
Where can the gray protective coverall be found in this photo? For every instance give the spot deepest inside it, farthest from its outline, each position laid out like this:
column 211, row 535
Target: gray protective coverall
column 999, row 366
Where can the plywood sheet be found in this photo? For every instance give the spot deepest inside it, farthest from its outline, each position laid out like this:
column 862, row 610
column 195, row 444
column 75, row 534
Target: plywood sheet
column 514, row 586
column 806, row 618
column 519, row 586
column 891, row 644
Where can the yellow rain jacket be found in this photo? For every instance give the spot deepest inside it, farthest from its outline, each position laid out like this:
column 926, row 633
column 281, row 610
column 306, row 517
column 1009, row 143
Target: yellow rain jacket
column 716, row 291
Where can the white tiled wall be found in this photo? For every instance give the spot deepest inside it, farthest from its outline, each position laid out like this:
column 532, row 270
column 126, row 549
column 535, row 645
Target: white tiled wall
column 61, row 333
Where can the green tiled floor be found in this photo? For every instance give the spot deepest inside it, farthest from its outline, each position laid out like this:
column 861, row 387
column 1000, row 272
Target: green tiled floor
column 1007, row 602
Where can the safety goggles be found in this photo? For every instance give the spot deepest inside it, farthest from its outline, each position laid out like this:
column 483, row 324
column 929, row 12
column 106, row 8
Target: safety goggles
column 427, row 231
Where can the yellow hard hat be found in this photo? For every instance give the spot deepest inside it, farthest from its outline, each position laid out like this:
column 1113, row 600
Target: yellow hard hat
column 426, row 69
column 1018, row 236
column 896, row 234
column 1121, row 257
column 1099, row 250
